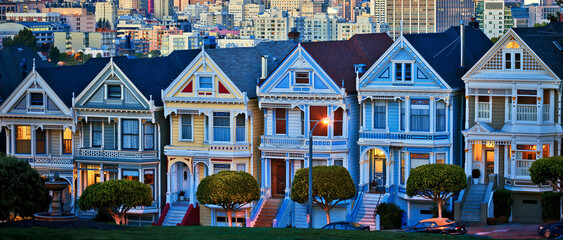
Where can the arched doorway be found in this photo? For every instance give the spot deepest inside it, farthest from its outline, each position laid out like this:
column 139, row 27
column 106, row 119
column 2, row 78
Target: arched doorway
column 375, row 169
column 180, row 178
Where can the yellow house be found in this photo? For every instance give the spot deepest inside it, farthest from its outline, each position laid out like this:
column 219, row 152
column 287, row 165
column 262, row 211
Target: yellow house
column 215, row 124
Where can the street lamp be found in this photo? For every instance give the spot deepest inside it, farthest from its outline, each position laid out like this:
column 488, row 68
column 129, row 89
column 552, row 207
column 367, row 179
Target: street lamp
column 325, row 121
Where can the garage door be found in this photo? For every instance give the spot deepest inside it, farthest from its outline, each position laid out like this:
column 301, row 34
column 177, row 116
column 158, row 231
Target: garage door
column 526, row 208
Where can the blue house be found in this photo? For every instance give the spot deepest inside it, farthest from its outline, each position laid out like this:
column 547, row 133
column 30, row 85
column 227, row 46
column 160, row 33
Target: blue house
column 315, row 81
column 411, row 114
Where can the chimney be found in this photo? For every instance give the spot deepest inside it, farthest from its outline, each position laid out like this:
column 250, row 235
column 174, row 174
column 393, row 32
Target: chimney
column 264, row 67
column 462, row 40
column 473, row 23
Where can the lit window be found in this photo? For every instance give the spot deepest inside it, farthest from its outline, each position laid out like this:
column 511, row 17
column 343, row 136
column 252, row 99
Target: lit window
column 132, row 175
column 440, row 158
column 67, row 141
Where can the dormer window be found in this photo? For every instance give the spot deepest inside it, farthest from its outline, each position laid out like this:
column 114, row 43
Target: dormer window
column 114, row 92
column 512, row 56
column 403, row 72
column 36, row 100
column 206, row 83
column 302, row 78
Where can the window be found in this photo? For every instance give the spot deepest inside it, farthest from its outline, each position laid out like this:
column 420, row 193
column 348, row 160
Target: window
column 398, row 72
column 206, row 83
column 130, row 134
column 187, row 129
column 302, row 78
column 221, row 127
column 440, row 116
column 206, row 129
column 338, row 122
column 379, row 115
column 148, row 178
column 36, row 99
column 114, row 91
column 221, row 167
column 39, row 141
column 420, row 115
column 302, row 123
column 403, row 72
column 408, row 72
column 240, row 132
column 132, row 175
column 97, row 134
column 403, row 160
column 403, row 112
column 241, row 167
column 512, row 56
column 440, row 158
column 281, row 121
column 483, row 108
column 148, row 136
column 419, row 159
column 317, row 113
column 67, row 141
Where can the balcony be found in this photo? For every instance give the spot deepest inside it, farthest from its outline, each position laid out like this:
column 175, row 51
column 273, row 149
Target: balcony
column 403, row 136
column 527, row 112
column 117, row 154
column 285, row 142
column 47, row 160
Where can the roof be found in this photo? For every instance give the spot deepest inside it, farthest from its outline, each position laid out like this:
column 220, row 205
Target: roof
column 11, row 73
column 243, row 66
column 540, row 40
column 442, row 51
column 337, row 58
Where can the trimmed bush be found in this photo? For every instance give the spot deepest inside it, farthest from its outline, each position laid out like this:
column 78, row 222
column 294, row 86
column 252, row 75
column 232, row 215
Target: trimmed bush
column 476, row 173
column 390, row 215
column 550, row 206
column 502, row 199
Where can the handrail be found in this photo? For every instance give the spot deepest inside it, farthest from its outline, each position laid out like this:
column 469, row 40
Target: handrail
column 191, row 218
column 359, row 200
column 255, row 211
column 281, row 211
column 162, row 215
column 491, row 206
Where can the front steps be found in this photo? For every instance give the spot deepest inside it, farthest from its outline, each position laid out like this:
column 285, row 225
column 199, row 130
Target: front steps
column 268, row 212
column 300, row 216
column 367, row 209
column 175, row 214
column 471, row 209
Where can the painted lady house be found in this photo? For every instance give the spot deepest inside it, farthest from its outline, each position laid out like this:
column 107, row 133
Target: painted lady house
column 513, row 117
column 216, row 125
column 315, row 81
column 411, row 115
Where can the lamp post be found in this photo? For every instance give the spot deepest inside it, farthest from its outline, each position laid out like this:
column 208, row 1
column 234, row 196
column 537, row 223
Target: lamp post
column 325, row 121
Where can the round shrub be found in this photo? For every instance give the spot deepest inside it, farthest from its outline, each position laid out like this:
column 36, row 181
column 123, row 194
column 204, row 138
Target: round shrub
column 476, row 173
column 550, row 206
column 390, row 215
column 502, row 199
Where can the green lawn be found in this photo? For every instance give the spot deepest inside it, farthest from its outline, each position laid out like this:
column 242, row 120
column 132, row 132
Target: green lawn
column 152, row 233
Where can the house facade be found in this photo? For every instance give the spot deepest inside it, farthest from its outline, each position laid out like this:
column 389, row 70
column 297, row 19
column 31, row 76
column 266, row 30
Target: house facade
column 309, row 85
column 411, row 108
column 215, row 124
column 512, row 110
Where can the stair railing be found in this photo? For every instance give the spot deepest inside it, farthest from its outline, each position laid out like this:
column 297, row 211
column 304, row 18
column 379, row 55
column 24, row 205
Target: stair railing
column 162, row 215
column 461, row 201
column 488, row 194
column 255, row 212
column 282, row 216
column 357, row 205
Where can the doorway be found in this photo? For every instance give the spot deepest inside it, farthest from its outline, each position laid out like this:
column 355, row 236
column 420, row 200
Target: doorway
column 278, row 177
column 489, row 164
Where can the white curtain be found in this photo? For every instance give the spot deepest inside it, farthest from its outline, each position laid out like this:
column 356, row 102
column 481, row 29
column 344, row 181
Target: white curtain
column 130, row 134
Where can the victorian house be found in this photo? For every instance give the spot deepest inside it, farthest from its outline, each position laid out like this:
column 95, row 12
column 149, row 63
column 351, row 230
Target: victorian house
column 513, row 116
column 315, row 81
column 411, row 114
column 212, row 108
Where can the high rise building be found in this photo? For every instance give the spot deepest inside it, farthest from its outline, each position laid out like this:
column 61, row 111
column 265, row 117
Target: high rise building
column 129, row 4
column 426, row 16
column 286, row 4
column 163, row 8
column 321, row 27
column 377, row 9
column 275, row 25
column 107, row 11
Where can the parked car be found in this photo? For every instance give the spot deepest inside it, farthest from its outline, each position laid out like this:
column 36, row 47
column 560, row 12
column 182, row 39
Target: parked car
column 550, row 230
column 346, row 226
column 438, row 225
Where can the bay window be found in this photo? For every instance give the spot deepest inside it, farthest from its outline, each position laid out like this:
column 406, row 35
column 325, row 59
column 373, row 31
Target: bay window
column 440, row 158
column 148, row 136
column 132, row 175
column 402, row 171
column 403, row 119
column 440, row 116
column 241, row 130
column 97, row 134
column 484, row 107
column 338, row 122
column 317, row 113
column 379, row 115
column 40, row 141
column 187, row 129
column 148, row 178
column 221, row 127
column 221, row 167
column 419, row 159
column 67, row 141
column 420, row 115
column 131, row 134
column 281, row 120
column 525, row 156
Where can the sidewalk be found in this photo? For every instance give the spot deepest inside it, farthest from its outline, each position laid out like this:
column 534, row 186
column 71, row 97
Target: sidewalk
column 506, row 231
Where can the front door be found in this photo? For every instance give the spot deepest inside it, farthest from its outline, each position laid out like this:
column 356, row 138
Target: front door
column 278, row 177
column 489, row 164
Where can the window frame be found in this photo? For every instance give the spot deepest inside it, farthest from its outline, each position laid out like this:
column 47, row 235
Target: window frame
column 148, row 125
column 512, row 52
column 182, row 123
column 198, row 85
column 278, row 119
column 403, row 78
column 238, row 127
column 123, row 134
column 228, row 116
column 487, row 120
column 108, row 91
column 375, row 124
column 295, row 72
column 31, row 101
column 63, row 151
column 444, row 116
column 44, row 140
column 92, row 132
column 411, row 115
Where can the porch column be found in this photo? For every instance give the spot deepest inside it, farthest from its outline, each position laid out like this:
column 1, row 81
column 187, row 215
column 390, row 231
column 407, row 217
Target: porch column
column 469, row 159
column 540, row 105
column 287, row 176
column 141, row 135
column 79, row 183
column 263, row 170
column 168, row 187
column 119, row 137
column 432, row 114
column 361, row 172
column 7, row 141
column 497, row 160
column 102, row 173
column 33, row 140
column 407, row 114
column 513, row 160
column 13, row 141
column 513, row 105
column 388, row 169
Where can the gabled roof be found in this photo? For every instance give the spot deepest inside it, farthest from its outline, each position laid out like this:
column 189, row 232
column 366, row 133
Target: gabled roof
column 243, row 66
column 10, row 69
column 540, row 40
column 337, row 58
column 442, row 51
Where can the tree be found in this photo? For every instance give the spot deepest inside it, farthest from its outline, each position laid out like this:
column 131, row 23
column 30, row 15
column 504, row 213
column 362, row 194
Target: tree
column 116, row 197
column 24, row 37
column 154, row 53
column 540, row 24
column 22, row 189
column 229, row 190
column 54, row 55
column 495, row 39
column 436, row 182
column 548, row 170
column 331, row 185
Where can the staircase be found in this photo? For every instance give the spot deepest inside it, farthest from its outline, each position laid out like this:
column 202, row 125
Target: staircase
column 86, row 215
column 175, row 214
column 471, row 209
column 268, row 212
column 367, row 209
column 300, row 215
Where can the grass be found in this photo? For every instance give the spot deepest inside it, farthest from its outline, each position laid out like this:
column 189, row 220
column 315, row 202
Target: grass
column 139, row 233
